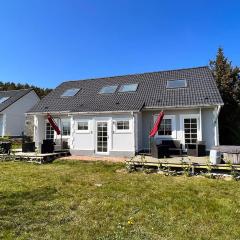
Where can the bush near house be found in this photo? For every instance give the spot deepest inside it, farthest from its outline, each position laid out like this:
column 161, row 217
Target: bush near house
column 98, row 200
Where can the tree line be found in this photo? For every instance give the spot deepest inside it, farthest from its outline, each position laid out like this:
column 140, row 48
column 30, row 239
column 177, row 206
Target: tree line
column 41, row 92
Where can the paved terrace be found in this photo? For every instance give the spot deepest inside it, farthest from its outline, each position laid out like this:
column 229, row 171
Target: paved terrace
column 138, row 158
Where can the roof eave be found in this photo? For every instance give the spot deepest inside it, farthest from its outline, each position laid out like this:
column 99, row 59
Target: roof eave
column 76, row 113
column 183, row 107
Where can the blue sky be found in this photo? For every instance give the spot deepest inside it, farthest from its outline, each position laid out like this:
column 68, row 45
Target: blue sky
column 46, row 42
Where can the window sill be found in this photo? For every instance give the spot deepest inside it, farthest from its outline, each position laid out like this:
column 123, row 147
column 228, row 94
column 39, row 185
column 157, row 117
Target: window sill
column 165, row 136
column 123, row 131
column 83, row 132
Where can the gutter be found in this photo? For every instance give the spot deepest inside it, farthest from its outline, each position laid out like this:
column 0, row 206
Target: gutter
column 181, row 107
column 106, row 112
column 44, row 113
column 217, row 114
column 123, row 111
column 134, row 134
column 80, row 113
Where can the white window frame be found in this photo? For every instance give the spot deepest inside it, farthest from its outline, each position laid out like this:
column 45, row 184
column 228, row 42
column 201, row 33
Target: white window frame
column 108, row 134
column 61, row 126
column 122, row 130
column 184, row 116
column 83, row 121
column 174, row 130
column 45, row 130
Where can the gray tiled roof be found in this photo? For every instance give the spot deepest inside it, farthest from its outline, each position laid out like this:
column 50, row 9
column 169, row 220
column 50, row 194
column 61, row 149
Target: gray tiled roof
column 201, row 90
column 13, row 95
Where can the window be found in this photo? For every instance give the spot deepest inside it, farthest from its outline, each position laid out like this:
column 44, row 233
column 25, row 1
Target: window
column 190, row 130
column 70, row 92
column 3, row 99
column 128, row 88
column 165, row 128
column 181, row 83
column 66, row 127
column 82, row 126
column 108, row 89
column 49, row 131
column 123, row 125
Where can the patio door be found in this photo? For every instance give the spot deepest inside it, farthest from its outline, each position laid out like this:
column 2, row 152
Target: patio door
column 102, row 137
column 190, row 129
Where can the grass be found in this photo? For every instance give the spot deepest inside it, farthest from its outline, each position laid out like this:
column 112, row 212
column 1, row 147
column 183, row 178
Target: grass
column 80, row 200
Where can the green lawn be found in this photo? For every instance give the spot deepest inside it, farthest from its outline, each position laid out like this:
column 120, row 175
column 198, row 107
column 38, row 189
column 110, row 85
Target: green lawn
column 80, row 200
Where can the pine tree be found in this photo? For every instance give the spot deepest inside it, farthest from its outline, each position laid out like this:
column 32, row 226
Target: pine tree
column 228, row 81
column 227, row 78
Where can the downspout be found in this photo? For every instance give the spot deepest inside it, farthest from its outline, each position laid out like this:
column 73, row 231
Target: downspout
column 215, row 122
column 200, row 123
column 134, row 135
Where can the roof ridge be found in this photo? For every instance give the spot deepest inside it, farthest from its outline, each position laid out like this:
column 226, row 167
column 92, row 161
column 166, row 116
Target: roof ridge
column 136, row 74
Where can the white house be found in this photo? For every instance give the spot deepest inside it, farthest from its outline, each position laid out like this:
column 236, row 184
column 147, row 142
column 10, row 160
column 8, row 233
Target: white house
column 114, row 115
column 13, row 106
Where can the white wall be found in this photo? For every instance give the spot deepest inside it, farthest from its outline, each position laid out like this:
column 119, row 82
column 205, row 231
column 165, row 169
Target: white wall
column 208, row 127
column 15, row 114
column 123, row 141
column 135, row 139
column 207, row 124
column 117, row 141
column 83, row 140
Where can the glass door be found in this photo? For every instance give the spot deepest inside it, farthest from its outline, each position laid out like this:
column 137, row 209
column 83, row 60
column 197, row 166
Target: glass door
column 49, row 131
column 190, row 130
column 102, row 137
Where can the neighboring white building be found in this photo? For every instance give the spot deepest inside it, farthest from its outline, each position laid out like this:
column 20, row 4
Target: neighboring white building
column 13, row 106
column 113, row 116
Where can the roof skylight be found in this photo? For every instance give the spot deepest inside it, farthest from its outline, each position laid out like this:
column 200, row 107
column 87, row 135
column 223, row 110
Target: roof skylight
column 108, row 89
column 70, row 92
column 128, row 88
column 3, row 99
column 179, row 83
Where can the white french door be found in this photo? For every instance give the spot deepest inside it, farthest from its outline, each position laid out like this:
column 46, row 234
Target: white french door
column 190, row 129
column 102, row 137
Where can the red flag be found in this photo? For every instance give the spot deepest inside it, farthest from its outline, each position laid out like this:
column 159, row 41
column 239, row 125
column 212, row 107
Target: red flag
column 156, row 124
column 53, row 124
